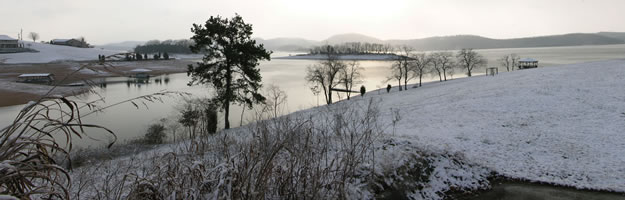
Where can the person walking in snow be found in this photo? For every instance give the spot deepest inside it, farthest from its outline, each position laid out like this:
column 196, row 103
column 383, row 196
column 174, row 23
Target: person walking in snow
column 388, row 88
column 362, row 90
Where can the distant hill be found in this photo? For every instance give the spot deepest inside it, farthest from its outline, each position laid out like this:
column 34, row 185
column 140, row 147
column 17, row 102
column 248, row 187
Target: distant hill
column 287, row 44
column 454, row 42
column 617, row 35
column 478, row 42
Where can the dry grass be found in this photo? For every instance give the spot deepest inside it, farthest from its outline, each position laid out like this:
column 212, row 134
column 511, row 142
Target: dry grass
column 292, row 157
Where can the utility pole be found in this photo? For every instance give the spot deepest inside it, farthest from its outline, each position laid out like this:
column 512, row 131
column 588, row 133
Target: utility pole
column 21, row 34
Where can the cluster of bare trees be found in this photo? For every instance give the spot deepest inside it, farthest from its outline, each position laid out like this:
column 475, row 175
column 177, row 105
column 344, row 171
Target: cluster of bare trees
column 354, row 48
column 332, row 73
column 509, row 61
column 409, row 65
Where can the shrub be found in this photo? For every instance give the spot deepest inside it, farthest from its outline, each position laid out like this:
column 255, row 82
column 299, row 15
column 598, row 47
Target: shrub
column 155, row 134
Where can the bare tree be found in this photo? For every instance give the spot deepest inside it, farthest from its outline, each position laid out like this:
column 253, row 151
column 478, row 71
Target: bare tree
column 420, row 64
column 326, row 74
column 515, row 61
column 34, row 36
column 469, row 60
column 397, row 70
column 509, row 61
column 351, row 74
column 276, row 99
column 407, row 65
column 442, row 63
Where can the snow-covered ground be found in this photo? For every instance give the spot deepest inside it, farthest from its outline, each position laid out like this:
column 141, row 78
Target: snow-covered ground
column 51, row 53
column 342, row 57
column 562, row 125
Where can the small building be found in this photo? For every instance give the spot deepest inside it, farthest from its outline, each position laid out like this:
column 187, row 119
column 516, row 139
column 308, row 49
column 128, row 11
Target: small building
column 7, row 42
column 525, row 63
column 36, row 78
column 70, row 42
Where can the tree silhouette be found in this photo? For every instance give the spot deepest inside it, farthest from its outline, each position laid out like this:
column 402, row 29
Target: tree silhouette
column 230, row 62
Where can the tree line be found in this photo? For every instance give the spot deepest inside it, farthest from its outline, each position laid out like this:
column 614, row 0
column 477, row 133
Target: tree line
column 408, row 65
column 171, row 46
column 353, row 48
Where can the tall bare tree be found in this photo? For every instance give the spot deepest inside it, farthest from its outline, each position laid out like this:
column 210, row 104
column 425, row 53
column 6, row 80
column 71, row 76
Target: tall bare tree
column 420, row 65
column 408, row 64
column 442, row 63
column 326, row 74
column 515, row 61
column 34, row 36
column 401, row 67
column 397, row 72
column 276, row 99
column 351, row 74
column 469, row 60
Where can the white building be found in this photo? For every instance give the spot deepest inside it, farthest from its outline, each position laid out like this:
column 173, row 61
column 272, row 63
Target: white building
column 7, row 42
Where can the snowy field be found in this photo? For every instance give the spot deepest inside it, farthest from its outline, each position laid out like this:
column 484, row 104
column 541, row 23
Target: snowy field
column 561, row 125
column 53, row 53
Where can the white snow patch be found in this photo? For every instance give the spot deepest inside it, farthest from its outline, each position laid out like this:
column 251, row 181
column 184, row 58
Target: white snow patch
column 53, row 53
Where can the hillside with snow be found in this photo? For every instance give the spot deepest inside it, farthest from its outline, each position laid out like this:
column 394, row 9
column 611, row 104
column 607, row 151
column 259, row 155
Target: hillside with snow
column 561, row 125
column 53, row 53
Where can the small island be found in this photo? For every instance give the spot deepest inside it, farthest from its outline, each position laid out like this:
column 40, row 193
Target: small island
column 349, row 51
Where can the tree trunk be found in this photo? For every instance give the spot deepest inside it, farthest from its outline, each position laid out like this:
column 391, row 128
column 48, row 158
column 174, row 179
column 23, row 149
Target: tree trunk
column 330, row 94
column 242, row 113
column 227, row 113
column 444, row 74
column 468, row 72
column 406, row 83
column 227, row 100
column 420, row 77
column 400, row 88
column 440, row 78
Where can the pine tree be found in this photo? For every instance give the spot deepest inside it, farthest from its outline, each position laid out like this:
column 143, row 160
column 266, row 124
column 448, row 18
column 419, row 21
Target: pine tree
column 230, row 62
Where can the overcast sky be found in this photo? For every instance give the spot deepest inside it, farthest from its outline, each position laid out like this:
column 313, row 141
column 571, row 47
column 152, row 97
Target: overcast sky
column 125, row 20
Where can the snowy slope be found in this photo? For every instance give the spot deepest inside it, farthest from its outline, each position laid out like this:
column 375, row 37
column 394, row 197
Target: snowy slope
column 563, row 125
column 50, row 53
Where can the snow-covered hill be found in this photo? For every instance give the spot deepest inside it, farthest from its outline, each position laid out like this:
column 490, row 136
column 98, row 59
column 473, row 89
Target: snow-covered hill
column 51, row 53
column 562, row 125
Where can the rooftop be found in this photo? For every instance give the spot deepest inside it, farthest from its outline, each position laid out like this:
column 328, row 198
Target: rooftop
column 35, row 75
column 6, row 37
column 61, row 40
column 528, row 60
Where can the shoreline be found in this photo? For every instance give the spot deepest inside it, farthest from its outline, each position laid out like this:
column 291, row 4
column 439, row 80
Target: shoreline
column 15, row 93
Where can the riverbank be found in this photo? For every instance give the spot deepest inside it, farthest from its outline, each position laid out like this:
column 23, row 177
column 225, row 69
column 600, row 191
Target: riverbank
column 15, row 93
